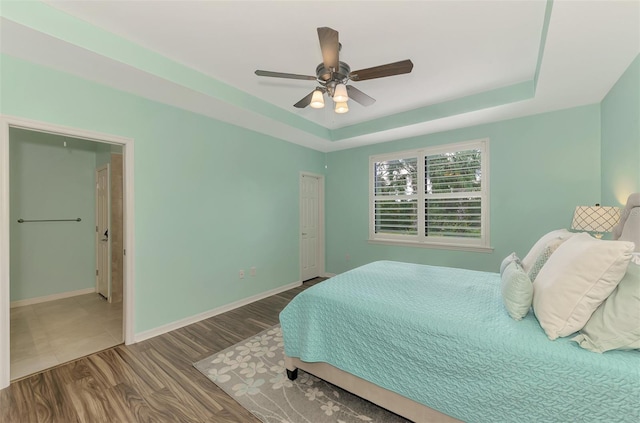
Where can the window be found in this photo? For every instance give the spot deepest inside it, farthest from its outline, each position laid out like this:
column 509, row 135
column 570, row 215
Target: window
column 436, row 197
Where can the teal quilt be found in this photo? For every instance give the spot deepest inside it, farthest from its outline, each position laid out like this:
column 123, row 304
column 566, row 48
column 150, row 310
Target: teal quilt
column 441, row 336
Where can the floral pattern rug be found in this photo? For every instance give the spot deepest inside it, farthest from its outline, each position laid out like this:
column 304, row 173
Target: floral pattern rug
column 253, row 373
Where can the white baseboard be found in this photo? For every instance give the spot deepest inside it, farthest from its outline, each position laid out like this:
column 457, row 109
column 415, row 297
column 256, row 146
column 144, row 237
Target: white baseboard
column 138, row 337
column 52, row 297
column 329, row 275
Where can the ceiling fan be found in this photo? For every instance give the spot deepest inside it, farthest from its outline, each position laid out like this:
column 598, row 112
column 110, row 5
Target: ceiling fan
column 333, row 76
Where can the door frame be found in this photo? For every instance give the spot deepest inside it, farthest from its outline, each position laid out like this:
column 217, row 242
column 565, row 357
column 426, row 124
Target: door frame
column 127, row 144
column 106, row 166
column 320, row 250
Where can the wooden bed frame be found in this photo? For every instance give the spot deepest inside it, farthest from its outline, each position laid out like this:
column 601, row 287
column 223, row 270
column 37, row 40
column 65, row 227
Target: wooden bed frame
column 393, row 402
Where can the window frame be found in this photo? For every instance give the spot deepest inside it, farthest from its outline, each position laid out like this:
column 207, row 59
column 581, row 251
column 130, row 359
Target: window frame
column 481, row 244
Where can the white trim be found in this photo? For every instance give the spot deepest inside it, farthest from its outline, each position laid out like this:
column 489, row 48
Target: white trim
column 433, row 245
column 52, row 297
column 142, row 336
column 329, row 275
column 128, row 219
column 321, row 234
column 128, row 228
column 5, row 291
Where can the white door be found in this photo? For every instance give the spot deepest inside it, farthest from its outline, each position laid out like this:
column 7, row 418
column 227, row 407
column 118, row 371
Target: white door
column 103, row 261
column 311, row 253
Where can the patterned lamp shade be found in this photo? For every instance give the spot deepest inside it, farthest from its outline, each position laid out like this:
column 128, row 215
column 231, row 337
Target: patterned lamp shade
column 595, row 218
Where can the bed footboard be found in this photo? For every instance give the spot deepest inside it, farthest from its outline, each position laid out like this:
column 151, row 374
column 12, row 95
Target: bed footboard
column 393, row 402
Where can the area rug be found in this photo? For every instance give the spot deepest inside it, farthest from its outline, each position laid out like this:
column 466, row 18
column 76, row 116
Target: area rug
column 253, row 373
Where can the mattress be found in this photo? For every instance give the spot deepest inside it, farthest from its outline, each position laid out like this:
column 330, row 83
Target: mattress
column 441, row 337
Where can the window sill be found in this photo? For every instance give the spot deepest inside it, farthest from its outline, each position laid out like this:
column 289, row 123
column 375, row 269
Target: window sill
column 438, row 246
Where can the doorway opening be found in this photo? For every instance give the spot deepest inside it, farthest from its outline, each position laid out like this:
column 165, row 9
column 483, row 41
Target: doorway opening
column 49, row 272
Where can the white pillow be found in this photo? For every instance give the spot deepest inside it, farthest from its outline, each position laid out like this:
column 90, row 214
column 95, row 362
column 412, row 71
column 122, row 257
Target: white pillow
column 576, row 279
column 615, row 325
column 531, row 257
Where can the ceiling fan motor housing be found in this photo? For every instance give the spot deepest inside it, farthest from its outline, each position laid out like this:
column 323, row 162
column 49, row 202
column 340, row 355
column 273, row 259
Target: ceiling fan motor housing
column 324, row 74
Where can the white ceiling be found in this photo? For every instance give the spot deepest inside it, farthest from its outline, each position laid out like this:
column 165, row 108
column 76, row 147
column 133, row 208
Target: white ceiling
column 459, row 49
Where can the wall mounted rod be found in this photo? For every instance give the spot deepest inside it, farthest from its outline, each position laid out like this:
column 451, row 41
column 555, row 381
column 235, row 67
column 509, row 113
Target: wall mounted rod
column 50, row 220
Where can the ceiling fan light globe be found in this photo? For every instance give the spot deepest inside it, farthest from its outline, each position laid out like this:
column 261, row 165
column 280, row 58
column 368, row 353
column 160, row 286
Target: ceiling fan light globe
column 340, row 94
column 317, row 100
column 342, row 107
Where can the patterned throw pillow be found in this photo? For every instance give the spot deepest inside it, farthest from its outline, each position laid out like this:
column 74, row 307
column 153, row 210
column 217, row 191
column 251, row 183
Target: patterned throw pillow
column 543, row 257
column 534, row 252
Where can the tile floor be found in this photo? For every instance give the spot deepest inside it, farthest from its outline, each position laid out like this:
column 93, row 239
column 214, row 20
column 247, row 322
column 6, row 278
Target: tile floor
column 47, row 334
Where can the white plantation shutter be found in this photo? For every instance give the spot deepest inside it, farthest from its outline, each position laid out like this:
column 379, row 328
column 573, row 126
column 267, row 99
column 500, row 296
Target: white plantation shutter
column 396, row 196
column 436, row 196
column 453, row 194
column 454, row 217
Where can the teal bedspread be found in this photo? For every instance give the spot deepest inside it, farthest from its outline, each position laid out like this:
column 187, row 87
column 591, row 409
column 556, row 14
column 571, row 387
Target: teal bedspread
column 441, row 337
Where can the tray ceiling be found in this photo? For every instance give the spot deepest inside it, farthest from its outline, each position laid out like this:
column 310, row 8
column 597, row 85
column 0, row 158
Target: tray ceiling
column 474, row 61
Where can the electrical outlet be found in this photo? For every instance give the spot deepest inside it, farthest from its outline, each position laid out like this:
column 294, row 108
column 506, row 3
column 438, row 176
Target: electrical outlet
column 347, row 257
column 242, row 274
column 252, row 271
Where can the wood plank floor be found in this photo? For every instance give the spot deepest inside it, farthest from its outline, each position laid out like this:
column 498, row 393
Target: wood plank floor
column 151, row 381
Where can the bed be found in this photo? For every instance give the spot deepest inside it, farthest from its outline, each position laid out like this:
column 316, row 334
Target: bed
column 434, row 344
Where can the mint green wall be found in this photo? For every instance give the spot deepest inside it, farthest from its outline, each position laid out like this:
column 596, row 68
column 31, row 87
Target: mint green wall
column 210, row 198
column 50, row 181
column 541, row 167
column 103, row 154
column 620, row 111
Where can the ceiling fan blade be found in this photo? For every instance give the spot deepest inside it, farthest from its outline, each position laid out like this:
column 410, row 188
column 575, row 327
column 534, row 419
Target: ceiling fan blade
column 305, row 101
column 285, row 75
column 330, row 47
column 359, row 97
column 390, row 69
